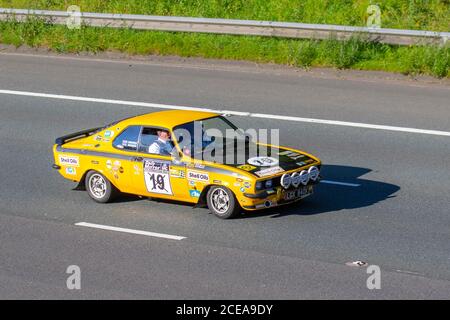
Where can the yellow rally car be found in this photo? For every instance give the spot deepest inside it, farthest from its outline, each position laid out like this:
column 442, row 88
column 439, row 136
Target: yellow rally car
column 118, row 158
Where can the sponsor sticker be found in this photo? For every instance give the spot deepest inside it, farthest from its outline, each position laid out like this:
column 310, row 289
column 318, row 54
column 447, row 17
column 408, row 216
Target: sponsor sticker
column 263, row 161
column 69, row 161
column 157, row 176
column 198, row 175
column 246, row 167
column 199, row 166
column 108, row 164
column 71, row 171
column 247, row 184
column 269, row 171
column 176, row 173
column 217, row 181
column 109, row 134
column 194, row 193
column 293, row 155
column 191, row 183
column 242, row 189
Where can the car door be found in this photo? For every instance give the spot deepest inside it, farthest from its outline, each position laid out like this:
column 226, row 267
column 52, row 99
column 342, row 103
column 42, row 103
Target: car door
column 157, row 175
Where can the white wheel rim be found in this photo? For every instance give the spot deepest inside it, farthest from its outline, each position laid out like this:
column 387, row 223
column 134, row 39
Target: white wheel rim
column 220, row 200
column 97, row 186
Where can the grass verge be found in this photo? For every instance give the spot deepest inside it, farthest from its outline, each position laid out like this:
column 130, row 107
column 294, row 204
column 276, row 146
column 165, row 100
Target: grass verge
column 354, row 53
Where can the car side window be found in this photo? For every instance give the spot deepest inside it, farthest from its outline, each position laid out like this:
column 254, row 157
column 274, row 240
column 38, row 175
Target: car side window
column 148, row 136
column 128, row 139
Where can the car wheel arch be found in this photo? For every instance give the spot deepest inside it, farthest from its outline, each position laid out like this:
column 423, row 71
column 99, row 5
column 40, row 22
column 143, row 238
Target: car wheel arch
column 81, row 183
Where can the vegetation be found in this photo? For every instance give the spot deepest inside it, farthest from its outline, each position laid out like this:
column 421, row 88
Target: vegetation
column 355, row 53
column 401, row 14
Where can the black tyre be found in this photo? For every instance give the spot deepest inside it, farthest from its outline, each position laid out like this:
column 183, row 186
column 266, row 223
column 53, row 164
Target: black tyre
column 222, row 202
column 99, row 188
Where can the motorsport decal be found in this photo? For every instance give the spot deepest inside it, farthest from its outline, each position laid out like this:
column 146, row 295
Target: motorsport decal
column 269, row 171
column 109, row 134
column 246, row 167
column 71, row 171
column 177, row 173
column 194, row 193
column 69, row 161
column 263, row 161
column 293, row 155
column 198, row 175
column 157, row 176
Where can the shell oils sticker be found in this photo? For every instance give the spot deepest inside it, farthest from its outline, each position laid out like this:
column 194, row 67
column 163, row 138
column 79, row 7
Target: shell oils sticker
column 157, row 176
column 246, row 167
column 71, row 171
column 69, row 161
column 198, row 175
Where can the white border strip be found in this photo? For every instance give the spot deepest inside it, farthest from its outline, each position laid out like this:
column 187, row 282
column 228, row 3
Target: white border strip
column 247, row 114
column 340, row 183
column 139, row 232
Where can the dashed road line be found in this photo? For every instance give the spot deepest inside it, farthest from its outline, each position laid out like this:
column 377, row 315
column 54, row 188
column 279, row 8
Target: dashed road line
column 132, row 231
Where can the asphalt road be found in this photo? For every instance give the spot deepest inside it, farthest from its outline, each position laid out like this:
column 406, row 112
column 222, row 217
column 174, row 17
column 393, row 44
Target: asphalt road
column 398, row 218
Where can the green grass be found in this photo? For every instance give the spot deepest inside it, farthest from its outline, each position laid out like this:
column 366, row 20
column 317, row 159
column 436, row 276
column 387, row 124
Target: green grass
column 404, row 14
column 354, row 53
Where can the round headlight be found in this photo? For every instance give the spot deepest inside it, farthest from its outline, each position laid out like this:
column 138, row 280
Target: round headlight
column 286, row 180
column 295, row 177
column 304, row 177
column 268, row 184
column 313, row 173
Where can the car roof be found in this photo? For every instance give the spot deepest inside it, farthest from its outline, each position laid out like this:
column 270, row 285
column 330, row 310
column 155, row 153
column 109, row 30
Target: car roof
column 168, row 118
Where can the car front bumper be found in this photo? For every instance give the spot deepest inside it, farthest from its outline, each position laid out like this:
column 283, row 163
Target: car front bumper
column 276, row 197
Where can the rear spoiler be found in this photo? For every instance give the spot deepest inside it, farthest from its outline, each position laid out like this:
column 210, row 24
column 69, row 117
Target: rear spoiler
column 75, row 136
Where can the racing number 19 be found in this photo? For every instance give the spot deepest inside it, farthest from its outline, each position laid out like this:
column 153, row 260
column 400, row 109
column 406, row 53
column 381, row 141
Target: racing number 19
column 158, row 181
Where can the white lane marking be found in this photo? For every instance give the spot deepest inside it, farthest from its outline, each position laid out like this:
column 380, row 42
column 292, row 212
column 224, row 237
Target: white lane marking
column 238, row 113
column 340, row 183
column 139, row 232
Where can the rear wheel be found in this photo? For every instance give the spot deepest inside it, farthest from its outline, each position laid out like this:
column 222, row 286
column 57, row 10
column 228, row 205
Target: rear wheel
column 222, row 202
column 99, row 188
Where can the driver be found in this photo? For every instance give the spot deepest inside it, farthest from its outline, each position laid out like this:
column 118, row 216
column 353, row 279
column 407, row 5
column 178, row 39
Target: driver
column 162, row 145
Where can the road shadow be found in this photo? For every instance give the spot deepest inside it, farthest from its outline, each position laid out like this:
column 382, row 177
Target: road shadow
column 333, row 198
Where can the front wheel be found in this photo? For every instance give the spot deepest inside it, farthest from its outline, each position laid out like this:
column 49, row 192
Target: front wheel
column 222, row 202
column 99, row 188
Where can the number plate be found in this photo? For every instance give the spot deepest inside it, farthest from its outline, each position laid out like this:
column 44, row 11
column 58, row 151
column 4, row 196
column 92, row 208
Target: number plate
column 297, row 193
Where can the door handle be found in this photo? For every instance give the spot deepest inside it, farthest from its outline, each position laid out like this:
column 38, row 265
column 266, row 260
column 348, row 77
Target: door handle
column 138, row 159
